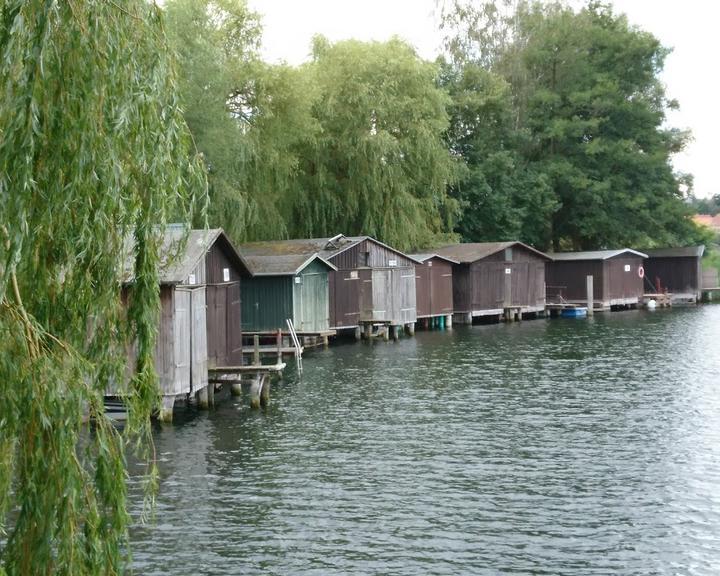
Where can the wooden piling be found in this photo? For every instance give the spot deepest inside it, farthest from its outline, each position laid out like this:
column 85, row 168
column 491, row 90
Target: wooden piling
column 279, row 342
column 368, row 331
column 166, row 409
column 589, row 293
column 265, row 391
column 411, row 329
column 256, row 350
column 358, row 333
column 206, row 397
column 448, row 322
column 255, row 387
column 236, row 389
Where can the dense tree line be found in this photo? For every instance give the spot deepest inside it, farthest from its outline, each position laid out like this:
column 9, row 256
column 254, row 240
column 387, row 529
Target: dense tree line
column 541, row 123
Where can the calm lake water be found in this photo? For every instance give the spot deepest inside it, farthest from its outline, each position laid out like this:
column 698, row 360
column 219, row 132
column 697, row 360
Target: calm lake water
column 546, row 447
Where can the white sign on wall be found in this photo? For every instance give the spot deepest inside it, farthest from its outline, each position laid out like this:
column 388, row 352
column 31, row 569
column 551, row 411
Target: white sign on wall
column 508, row 270
column 191, row 279
column 353, row 274
column 627, row 267
column 226, row 274
column 392, row 263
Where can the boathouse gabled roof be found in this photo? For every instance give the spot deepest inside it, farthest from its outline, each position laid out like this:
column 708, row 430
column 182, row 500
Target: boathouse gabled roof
column 340, row 243
column 594, row 254
column 474, row 251
column 282, row 257
column 178, row 260
column 686, row 252
column 422, row 258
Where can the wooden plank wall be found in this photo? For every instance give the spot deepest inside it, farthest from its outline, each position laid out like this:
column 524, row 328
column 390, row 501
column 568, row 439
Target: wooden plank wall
column 344, row 288
column 679, row 275
column 623, row 278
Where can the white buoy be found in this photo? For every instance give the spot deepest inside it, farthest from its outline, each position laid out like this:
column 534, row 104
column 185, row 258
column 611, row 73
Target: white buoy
column 651, row 305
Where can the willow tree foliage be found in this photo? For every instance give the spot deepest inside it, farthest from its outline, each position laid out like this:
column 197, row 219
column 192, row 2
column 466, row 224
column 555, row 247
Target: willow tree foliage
column 93, row 150
column 220, row 79
column 586, row 96
column 379, row 164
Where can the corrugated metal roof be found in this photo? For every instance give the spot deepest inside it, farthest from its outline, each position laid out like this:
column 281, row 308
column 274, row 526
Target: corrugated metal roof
column 282, row 257
column 179, row 261
column 688, row 251
column 594, row 254
column 425, row 257
column 474, row 251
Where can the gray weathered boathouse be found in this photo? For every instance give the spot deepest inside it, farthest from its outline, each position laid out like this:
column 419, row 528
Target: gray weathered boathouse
column 200, row 316
column 374, row 285
column 617, row 278
column 677, row 271
column 434, row 288
column 496, row 279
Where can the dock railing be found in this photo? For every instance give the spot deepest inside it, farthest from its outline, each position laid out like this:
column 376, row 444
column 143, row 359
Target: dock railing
column 296, row 343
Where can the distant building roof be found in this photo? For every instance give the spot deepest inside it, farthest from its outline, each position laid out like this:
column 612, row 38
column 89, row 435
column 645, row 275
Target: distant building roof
column 425, row 257
column 707, row 220
column 594, row 254
column 473, row 251
column 282, row 257
column 686, row 252
column 178, row 260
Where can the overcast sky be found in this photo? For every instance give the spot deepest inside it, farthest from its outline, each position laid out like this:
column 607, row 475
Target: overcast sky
column 690, row 27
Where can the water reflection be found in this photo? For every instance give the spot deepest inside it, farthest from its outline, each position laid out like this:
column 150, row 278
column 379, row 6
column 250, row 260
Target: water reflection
column 547, row 447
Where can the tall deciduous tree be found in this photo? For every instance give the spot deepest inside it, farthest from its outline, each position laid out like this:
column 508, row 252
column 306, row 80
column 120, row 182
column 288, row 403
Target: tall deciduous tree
column 379, row 165
column 93, row 150
column 587, row 98
column 220, row 79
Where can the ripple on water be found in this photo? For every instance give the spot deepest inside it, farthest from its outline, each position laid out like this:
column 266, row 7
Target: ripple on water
column 549, row 447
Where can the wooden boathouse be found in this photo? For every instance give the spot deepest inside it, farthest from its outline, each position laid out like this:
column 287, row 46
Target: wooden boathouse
column 618, row 278
column 675, row 271
column 373, row 287
column 289, row 280
column 434, row 289
column 496, row 279
column 200, row 314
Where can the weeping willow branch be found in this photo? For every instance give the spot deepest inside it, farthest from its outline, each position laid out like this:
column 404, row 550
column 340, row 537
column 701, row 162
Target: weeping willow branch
column 94, row 150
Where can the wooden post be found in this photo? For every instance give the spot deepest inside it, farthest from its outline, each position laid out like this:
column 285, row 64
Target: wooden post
column 278, row 340
column 358, row 333
column 326, row 341
column 166, row 409
column 256, row 350
column 386, row 332
column 589, row 290
column 255, row 391
column 468, row 318
column 265, row 391
column 410, row 328
column 206, row 397
column 368, row 330
column 448, row 321
column 236, row 388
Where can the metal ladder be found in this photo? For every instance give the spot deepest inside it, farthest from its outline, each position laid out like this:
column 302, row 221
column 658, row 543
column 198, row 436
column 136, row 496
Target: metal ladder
column 296, row 343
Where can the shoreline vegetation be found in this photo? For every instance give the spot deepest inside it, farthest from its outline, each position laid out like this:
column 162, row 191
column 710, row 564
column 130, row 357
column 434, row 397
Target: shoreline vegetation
column 544, row 124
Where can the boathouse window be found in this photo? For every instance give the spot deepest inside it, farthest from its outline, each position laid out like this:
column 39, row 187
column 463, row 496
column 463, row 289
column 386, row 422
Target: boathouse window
column 364, row 258
column 508, row 256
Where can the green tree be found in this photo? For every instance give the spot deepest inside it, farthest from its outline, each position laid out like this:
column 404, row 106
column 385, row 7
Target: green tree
column 379, row 164
column 93, row 149
column 586, row 94
column 220, row 76
column 502, row 196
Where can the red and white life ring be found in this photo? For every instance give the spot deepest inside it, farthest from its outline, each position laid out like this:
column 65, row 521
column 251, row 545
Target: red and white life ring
column 641, row 272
